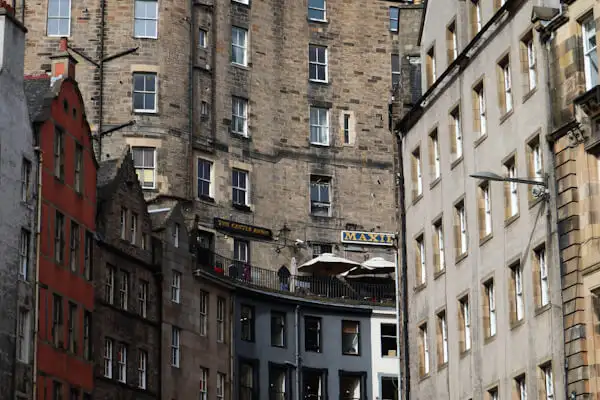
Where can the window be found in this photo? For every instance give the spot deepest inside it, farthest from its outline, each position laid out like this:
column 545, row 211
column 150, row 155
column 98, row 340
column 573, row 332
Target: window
column 548, row 382
column 590, row 52
column 485, row 211
column 316, row 10
column 124, row 290
column 351, row 386
column 317, row 63
column 521, row 387
column 312, row 334
column 489, row 312
column 417, row 173
column 122, row 363
column 456, row 139
column 535, row 163
column 542, row 268
column 241, row 251
column 247, row 378
column 277, row 383
column 241, row 1
column 74, row 393
column 319, row 126
column 220, row 320
column 314, row 384
column 175, row 337
column 278, row 329
column 142, row 368
column 57, row 320
column 480, row 122
column 146, row 19
column 59, row 18
column 144, row 92
column 476, row 22
column 109, row 285
column 72, row 328
column 529, row 60
column 239, row 46
column 247, row 322
column 492, row 394
column 87, row 335
column 176, row 287
column 420, row 260
column 506, row 98
column 511, row 189
column 518, row 304
column 350, row 337
column 220, row 386
column 452, row 42
column 423, row 350
column 460, row 228
column 78, row 179
column 439, row 256
column 434, row 154
column 123, row 223
column 389, row 388
column 430, row 66
column 23, row 335
column 346, row 129
column 320, row 248
column 25, row 180
column 394, row 19
column 396, row 75
column 133, row 227
column 203, row 384
column 202, row 38
column 464, row 314
column 203, row 313
column 59, row 153
column 320, row 196
column 87, row 262
column 144, row 160
column 442, row 338
column 24, row 242
column 239, row 185
column 204, row 178
column 239, row 116
column 108, row 360
column 204, row 110
column 57, row 390
column 176, row 234
column 59, row 238
column 143, row 298
column 388, row 340
column 74, row 251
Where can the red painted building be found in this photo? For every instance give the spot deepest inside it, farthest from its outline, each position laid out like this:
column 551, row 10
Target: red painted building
column 66, row 302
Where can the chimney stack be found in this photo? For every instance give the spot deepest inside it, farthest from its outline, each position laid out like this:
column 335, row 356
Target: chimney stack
column 63, row 63
column 12, row 43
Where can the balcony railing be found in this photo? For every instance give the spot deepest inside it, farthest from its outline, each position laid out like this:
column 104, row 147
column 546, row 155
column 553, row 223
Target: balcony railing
column 320, row 287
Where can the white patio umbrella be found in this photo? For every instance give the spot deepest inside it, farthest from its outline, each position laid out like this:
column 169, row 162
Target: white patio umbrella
column 327, row 264
column 376, row 267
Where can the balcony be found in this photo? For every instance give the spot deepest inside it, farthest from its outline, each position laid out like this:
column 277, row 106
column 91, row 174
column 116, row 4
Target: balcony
column 323, row 288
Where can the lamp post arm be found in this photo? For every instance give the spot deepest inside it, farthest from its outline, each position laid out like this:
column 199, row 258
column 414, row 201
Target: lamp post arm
column 526, row 181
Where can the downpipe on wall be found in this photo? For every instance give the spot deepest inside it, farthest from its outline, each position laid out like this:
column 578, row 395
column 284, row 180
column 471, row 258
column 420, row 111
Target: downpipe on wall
column 36, row 291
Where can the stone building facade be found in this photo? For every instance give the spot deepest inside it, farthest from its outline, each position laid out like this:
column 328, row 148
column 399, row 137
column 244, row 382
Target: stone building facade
column 127, row 314
column 484, row 285
column 18, row 172
column 206, row 87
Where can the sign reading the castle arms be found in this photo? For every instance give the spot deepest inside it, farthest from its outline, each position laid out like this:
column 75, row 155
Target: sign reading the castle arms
column 243, row 229
column 370, row 238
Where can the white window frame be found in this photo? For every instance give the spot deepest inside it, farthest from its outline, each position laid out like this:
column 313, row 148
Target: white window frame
column 203, row 327
column 108, row 358
column 238, row 189
column 514, row 189
column 543, row 270
column 122, row 363
column 454, row 42
column 531, row 64
column 58, row 17
column 437, row 165
column 202, row 38
column 145, row 92
column 26, row 179
column 422, row 263
column 203, row 179
column 588, row 31
column 394, row 19
column 242, row 1
column 220, row 320
column 220, row 386
column 491, row 294
column 466, row 311
column 143, row 299
column 236, row 31
column 458, row 139
column 176, row 287
column 319, row 120
column 322, row 9
column 478, row 15
column 239, row 116
column 23, row 335
column 175, row 349
column 463, row 228
column 537, row 160
column 548, row 382
column 316, row 183
column 444, row 328
column 425, row 340
column 24, row 246
column 521, row 388
column 124, row 290
column 203, row 383
column 419, row 171
column 142, row 369
column 318, row 64
column 487, row 208
column 507, row 81
column 519, row 298
column 241, row 251
column 145, row 166
column 482, row 111
column 439, row 231
column 145, row 19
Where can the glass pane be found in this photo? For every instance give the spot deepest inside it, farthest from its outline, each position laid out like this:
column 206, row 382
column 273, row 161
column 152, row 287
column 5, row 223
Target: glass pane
column 138, row 82
column 394, row 25
column 149, row 101
column 316, row 14
column 151, row 9
column 242, row 180
column 64, row 8
column 312, row 74
column 53, row 27
column 53, row 8
column 324, row 193
column 139, row 28
column 312, row 53
column 316, row 3
column 315, row 134
column 395, row 62
column 63, row 29
column 314, row 192
column 138, row 157
column 234, row 179
column 394, row 13
column 314, row 116
column 149, row 158
column 150, row 83
column 151, row 28
column 148, row 176
column 321, row 73
column 138, row 101
column 321, row 54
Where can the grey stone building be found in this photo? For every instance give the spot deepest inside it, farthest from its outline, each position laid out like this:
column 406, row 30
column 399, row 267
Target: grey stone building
column 17, row 214
column 268, row 113
column 126, row 321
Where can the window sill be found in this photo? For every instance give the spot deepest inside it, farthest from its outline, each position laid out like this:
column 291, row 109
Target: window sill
column 439, row 273
column 241, row 66
column 465, row 353
column 423, row 377
column 312, row 351
column 489, row 339
column 207, row 199
column 516, row 324
column 443, row 366
column 486, row 239
column 480, row 140
column 510, row 220
column 435, row 182
column 243, row 3
column 247, row 340
column 417, row 198
column 317, row 21
column 420, row 287
column 321, row 217
column 351, row 354
column 456, row 162
column 144, row 37
column 241, row 207
column 506, row 116
column 529, row 94
column 319, row 144
column 317, row 82
column 461, row 257
column 279, row 346
column 241, row 136
column 542, row 309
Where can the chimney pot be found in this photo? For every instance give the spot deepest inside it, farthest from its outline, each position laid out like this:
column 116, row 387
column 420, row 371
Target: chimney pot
column 63, row 44
column 9, row 8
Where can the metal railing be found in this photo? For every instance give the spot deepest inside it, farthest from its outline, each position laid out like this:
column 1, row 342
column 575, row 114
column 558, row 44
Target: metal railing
column 321, row 287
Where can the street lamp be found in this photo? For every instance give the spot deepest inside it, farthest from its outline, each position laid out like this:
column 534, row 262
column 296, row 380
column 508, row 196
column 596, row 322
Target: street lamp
column 540, row 186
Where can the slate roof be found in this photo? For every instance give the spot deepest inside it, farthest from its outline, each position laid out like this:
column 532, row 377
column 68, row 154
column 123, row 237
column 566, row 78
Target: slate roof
column 39, row 96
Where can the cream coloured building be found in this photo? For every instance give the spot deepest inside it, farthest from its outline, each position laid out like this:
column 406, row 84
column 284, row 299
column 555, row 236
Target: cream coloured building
column 483, row 277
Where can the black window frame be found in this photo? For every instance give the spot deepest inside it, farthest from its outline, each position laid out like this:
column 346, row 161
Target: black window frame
column 252, row 331
column 283, row 316
column 307, row 346
column 358, row 350
column 362, row 375
column 288, row 381
column 323, row 372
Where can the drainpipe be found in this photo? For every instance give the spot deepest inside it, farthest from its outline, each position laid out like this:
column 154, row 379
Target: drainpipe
column 397, row 283
column 298, row 359
column 101, row 77
column 232, row 360
column 38, row 236
column 190, row 188
column 159, row 283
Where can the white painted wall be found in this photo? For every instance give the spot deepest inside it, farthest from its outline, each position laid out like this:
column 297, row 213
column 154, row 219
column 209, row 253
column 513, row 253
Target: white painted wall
column 387, row 366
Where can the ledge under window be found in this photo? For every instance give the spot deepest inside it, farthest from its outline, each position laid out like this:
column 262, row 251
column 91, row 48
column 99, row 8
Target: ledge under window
column 241, row 207
column 206, row 198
